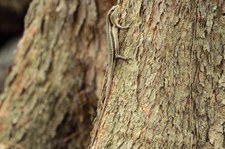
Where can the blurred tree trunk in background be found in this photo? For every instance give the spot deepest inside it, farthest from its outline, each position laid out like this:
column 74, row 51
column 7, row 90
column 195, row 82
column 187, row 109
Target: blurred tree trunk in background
column 49, row 100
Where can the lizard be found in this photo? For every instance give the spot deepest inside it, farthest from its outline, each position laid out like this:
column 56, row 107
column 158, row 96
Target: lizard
column 112, row 28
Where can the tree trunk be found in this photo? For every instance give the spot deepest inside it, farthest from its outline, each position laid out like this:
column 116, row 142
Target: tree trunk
column 171, row 94
column 49, row 99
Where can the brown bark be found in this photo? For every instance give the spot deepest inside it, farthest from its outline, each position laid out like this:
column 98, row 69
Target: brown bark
column 171, row 94
column 49, row 100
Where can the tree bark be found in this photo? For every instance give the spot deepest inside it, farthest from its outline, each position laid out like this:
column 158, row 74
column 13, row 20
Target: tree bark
column 49, row 99
column 171, row 94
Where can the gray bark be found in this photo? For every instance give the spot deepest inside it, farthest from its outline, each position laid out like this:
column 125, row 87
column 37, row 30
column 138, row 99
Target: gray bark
column 171, row 94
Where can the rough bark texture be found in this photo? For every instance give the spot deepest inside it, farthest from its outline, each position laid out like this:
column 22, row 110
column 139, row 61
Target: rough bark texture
column 172, row 93
column 49, row 100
